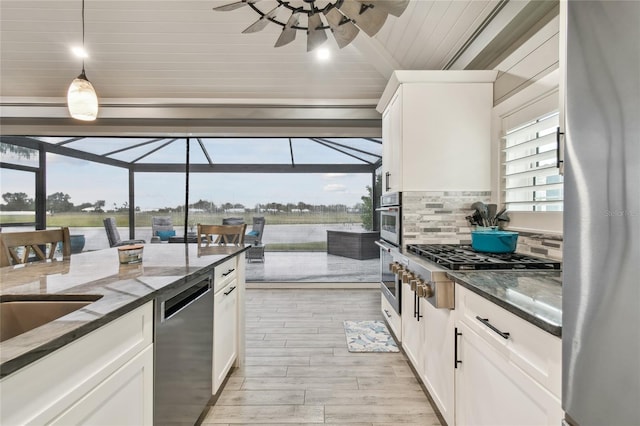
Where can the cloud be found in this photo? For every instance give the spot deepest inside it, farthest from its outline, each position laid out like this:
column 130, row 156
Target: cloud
column 334, row 187
column 334, row 175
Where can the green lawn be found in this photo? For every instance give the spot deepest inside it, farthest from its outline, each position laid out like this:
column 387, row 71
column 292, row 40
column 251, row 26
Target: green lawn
column 82, row 219
column 308, row 246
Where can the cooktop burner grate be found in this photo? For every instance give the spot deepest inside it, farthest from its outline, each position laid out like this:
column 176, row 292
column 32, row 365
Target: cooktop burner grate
column 462, row 257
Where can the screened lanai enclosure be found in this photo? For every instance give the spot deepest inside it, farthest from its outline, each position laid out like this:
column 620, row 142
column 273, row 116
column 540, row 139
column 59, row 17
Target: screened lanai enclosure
column 304, row 188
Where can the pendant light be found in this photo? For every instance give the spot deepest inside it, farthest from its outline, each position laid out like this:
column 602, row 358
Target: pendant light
column 82, row 99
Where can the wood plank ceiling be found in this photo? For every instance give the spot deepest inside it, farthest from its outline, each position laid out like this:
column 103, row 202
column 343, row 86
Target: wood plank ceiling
column 183, row 51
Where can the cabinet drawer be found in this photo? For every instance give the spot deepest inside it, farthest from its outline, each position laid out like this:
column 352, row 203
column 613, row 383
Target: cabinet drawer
column 224, row 273
column 392, row 317
column 532, row 349
column 40, row 391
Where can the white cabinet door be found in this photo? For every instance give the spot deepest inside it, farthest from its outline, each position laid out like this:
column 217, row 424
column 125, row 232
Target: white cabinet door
column 391, row 316
column 47, row 388
column 392, row 145
column 438, row 368
column 412, row 328
column 225, row 332
column 492, row 391
column 124, row 398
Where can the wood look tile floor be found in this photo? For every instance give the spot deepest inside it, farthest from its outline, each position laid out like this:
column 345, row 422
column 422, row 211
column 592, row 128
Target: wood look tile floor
column 298, row 370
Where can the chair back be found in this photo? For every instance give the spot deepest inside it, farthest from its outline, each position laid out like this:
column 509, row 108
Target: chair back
column 161, row 223
column 257, row 228
column 112, row 231
column 225, row 234
column 18, row 247
column 232, row 221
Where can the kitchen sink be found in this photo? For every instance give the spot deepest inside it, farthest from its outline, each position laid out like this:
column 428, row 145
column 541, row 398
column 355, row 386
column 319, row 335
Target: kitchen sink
column 19, row 314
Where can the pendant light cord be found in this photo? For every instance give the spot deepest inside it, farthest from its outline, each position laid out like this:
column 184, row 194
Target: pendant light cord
column 84, row 50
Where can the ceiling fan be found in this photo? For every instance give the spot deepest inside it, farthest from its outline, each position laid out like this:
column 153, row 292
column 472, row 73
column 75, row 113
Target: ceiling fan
column 344, row 18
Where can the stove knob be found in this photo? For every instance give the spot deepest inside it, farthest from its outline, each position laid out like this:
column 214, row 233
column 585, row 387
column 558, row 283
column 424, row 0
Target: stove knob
column 391, row 266
column 408, row 276
column 413, row 284
column 424, row 289
column 395, row 267
column 427, row 290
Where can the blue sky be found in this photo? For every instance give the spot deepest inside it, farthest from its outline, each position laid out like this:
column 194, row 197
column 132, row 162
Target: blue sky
column 88, row 182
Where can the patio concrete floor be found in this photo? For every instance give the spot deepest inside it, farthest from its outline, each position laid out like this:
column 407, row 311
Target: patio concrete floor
column 312, row 267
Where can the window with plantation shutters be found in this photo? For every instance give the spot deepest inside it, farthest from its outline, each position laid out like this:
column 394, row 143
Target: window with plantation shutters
column 531, row 177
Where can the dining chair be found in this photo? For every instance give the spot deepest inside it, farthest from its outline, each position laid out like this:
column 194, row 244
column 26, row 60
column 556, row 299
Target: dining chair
column 225, row 234
column 22, row 247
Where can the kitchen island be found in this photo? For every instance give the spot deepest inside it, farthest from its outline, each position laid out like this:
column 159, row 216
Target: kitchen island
column 60, row 370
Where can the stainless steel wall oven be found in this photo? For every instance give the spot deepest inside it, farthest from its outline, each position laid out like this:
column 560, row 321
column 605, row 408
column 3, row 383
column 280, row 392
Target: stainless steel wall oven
column 390, row 240
column 390, row 284
column 391, row 218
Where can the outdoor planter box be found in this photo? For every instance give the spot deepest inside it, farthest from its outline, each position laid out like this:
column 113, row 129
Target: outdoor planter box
column 356, row 245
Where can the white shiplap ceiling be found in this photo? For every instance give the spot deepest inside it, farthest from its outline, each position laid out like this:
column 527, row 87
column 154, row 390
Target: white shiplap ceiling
column 183, row 51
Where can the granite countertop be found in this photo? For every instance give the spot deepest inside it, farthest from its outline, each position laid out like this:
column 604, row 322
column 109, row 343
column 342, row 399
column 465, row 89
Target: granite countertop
column 122, row 288
column 535, row 296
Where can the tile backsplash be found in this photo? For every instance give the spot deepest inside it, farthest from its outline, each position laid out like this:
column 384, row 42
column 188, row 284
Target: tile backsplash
column 540, row 245
column 438, row 217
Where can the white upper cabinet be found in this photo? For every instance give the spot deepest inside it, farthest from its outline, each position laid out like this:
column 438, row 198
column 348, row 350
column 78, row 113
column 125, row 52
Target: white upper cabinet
column 436, row 131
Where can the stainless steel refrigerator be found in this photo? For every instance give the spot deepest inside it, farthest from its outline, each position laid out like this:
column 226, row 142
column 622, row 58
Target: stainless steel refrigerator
column 601, row 268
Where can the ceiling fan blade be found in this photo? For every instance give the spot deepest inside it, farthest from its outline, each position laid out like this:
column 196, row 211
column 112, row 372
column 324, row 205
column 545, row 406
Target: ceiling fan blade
column 369, row 19
column 234, row 6
column 261, row 23
column 288, row 34
column 315, row 34
column 393, row 7
column 342, row 28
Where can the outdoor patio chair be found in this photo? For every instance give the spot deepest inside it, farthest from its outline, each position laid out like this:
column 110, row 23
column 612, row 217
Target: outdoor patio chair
column 114, row 236
column 22, row 247
column 162, row 227
column 254, row 237
column 225, row 234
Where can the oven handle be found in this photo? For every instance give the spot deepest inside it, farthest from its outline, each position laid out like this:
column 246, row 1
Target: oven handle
column 388, row 209
column 383, row 246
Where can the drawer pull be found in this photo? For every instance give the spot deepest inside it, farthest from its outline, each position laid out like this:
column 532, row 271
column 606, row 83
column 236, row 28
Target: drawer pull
column 456, row 361
column 228, row 272
column 486, row 322
column 226, row 293
column 388, row 314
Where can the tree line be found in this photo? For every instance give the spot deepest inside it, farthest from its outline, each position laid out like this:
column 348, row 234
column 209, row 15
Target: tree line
column 58, row 202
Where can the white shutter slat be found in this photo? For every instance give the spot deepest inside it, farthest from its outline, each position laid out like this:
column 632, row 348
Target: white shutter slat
column 523, row 134
column 536, row 158
column 531, row 144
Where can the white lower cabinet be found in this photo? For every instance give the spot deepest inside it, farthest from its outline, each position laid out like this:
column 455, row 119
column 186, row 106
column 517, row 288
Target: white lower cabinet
column 508, row 370
column 225, row 332
column 392, row 317
column 438, row 372
column 103, row 378
column 413, row 333
column 490, row 390
column 427, row 340
column 122, row 399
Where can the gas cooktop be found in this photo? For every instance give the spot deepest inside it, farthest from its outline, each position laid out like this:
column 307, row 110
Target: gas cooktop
column 463, row 257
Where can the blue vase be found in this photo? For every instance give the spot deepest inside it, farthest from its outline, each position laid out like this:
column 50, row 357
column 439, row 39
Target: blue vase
column 77, row 243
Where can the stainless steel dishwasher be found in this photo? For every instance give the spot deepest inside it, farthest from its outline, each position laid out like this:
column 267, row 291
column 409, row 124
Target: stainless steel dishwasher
column 183, row 353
